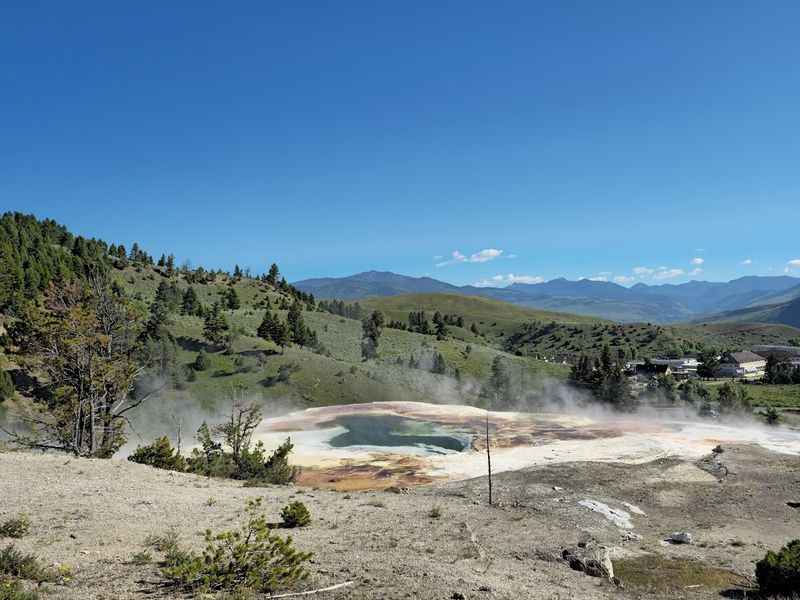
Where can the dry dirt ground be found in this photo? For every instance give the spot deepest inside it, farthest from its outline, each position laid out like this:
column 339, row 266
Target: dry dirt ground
column 93, row 515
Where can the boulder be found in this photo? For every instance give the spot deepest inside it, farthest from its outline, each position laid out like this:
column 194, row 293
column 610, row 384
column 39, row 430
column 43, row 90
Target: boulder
column 681, row 537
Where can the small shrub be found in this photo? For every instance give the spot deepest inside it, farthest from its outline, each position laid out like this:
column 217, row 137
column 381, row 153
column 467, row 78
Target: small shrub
column 142, row 558
column 435, row 512
column 163, row 543
column 771, row 416
column 6, row 386
column 778, row 573
column 276, row 470
column 295, row 514
column 18, row 565
column 211, row 501
column 201, row 362
column 11, row 589
column 375, row 503
column 160, row 454
column 16, row 527
column 252, row 558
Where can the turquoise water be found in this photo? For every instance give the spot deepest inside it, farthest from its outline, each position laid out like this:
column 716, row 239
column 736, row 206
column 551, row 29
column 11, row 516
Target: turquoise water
column 393, row 431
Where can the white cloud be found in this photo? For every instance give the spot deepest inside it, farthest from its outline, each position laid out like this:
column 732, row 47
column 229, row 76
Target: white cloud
column 697, row 271
column 598, row 278
column 793, row 264
column 624, row 279
column 747, row 261
column 643, row 271
column 504, row 280
column 481, row 256
column 698, row 261
column 665, row 273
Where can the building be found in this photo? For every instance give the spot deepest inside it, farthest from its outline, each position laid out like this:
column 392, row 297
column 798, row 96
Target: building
column 743, row 365
column 680, row 368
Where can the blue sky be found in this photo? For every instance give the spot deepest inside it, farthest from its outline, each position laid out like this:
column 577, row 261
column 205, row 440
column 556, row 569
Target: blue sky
column 628, row 140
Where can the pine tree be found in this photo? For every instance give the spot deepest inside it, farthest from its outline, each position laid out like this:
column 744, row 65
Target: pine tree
column 280, row 334
column 215, row 326
column 232, row 299
column 371, row 329
column 272, row 276
column 189, row 303
column 267, row 326
column 298, row 333
column 439, row 364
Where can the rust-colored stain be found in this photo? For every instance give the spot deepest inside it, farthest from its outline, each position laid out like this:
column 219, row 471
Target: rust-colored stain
column 379, row 473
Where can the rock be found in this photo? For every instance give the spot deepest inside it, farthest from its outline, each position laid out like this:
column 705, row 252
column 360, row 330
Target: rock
column 457, row 596
column 605, row 561
column 576, row 564
column 574, row 561
column 595, row 568
column 681, row 537
column 793, row 504
column 630, row 536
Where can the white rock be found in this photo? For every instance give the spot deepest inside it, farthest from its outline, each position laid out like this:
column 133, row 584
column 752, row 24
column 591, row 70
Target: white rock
column 681, row 537
column 620, row 518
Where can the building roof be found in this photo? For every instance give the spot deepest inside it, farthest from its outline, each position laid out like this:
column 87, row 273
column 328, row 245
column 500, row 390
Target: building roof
column 743, row 357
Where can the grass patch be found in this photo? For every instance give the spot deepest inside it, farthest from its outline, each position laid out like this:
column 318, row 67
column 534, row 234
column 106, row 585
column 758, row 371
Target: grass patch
column 658, row 574
column 15, row 564
column 16, row 527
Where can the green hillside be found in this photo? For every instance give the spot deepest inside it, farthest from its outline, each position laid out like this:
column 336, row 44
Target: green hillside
column 639, row 340
column 784, row 313
column 300, row 377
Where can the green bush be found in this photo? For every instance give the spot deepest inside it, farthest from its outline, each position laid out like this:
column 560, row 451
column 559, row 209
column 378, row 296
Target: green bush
column 16, row 527
column 11, row 589
column 201, row 362
column 295, row 514
column 251, row 558
column 18, row 565
column 778, row 573
column 276, row 470
column 160, row 454
column 6, row 386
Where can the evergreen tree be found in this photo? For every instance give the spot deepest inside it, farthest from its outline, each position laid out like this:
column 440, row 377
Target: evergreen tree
column 170, row 265
column 371, row 329
column 439, row 365
column 267, row 326
column 280, row 334
column 190, row 304
column 215, row 327
column 708, row 364
column 6, row 386
column 499, row 386
column 297, row 328
column 273, row 274
column 201, row 362
column 232, row 299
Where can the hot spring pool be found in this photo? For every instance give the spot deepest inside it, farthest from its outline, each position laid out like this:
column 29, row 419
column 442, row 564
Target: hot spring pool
column 393, row 431
column 400, row 444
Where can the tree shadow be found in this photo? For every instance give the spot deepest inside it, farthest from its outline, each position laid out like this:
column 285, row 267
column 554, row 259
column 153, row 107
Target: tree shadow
column 194, row 345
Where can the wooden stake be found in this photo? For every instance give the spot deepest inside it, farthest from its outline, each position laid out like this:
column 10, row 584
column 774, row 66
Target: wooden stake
column 488, row 457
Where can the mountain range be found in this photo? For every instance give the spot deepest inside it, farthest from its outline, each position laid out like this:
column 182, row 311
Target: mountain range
column 760, row 298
